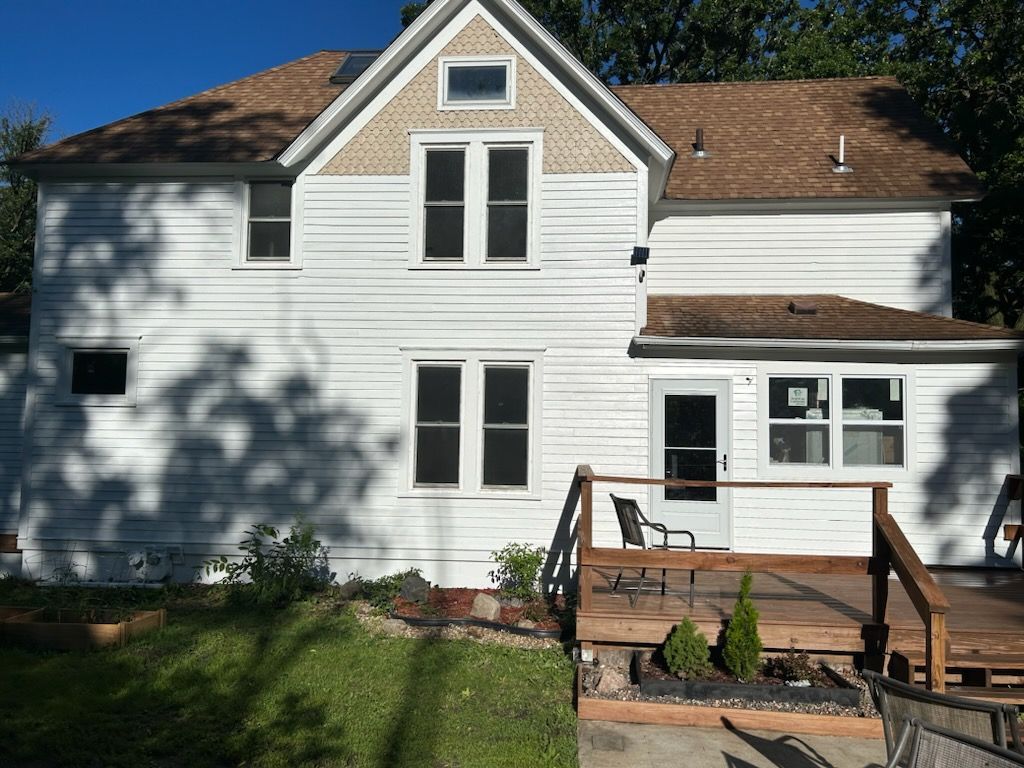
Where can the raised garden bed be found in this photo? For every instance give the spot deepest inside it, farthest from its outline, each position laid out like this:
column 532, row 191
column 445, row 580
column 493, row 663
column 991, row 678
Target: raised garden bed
column 827, row 687
column 78, row 630
column 547, row 618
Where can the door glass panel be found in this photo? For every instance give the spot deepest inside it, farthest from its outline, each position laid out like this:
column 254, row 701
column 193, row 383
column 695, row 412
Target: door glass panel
column 691, row 464
column 690, row 421
column 690, row 445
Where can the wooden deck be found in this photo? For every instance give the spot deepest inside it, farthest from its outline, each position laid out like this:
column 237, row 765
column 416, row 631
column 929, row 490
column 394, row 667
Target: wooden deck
column 826, row 613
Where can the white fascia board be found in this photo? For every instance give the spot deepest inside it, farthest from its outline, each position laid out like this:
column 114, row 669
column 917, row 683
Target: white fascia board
column 114, row 171
column 666, row 207
column 848, row 345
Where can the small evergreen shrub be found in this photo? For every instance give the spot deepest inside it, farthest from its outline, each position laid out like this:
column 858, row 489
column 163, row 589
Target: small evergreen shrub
column 686, row 651
column 742, row 652
column 275, row 572
column 518, row 571
column 793, row 666
column 381, row 593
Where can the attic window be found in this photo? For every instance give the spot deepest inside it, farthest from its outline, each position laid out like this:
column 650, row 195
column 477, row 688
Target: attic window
column 477, row 83
column 353, row 66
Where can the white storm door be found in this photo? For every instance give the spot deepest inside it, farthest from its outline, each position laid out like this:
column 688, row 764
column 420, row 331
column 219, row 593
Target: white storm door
column 690, row 441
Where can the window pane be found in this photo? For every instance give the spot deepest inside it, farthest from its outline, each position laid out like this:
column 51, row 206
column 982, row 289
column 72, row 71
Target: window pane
column 270, row 199
column 506, row 456
column 437, row 455
column 446, row 175
column 798, row 398
column 506, row 395
column 99, row 373
column 873, row 399
column 798, row 444
column 869, row 446
column 508, row 171
column 477, row 83
column 269, row 240
column 691, row 465
column 438, row 395
column 506, row 232
column 690, row 421
column 443, row 235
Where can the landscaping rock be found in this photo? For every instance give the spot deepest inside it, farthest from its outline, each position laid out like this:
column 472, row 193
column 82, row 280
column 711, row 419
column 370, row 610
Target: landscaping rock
column 485, row 608
column 395, row 627
column 350, row 589
column 511, row 602
column 526, row 624
column 415, row 589
column 611, row 680
column 616, row 658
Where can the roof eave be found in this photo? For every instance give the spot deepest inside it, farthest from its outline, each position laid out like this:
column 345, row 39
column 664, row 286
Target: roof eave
column 58, row 170
column 847, row 345
column 670, row 204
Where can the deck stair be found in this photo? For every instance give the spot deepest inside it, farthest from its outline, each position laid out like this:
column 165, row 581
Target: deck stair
column 982, row 675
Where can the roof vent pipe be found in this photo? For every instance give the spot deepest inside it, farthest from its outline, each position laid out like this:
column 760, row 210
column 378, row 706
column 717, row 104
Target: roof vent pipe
column 698, row 145
column 840, row 165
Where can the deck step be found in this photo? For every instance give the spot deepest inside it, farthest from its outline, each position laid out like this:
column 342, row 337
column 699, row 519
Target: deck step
column 999, row 695
column 975, row 670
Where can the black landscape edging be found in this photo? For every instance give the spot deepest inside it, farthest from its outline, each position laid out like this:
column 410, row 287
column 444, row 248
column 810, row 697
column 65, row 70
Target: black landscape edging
column 416, row 621
column 845, row 696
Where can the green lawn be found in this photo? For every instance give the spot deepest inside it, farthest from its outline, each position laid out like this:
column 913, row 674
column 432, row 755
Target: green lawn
column 225, row 686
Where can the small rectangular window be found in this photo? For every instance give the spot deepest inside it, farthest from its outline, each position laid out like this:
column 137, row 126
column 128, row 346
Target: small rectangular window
column 799, row 420
column 506, row 426
column 873, row 422
column 477, row 83
column 508, row 206
column 269, row 224
column 444, row 205
column 99, row 373
column 438, row 424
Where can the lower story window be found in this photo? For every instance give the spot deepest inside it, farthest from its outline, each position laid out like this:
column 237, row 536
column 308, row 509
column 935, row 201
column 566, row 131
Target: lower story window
column 873, row 422
column 438, row 424
column 98, row 373
column 506, row 456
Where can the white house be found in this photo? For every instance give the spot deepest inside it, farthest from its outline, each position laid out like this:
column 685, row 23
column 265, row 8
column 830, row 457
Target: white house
column 406, row 294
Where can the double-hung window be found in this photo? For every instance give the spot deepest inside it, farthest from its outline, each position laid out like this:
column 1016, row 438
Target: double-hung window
column 476, row 205
column 268, row 233
column 474, row 423
column 837, row 420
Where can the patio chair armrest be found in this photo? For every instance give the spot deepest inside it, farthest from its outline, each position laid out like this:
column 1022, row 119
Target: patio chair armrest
column 1013, row 722
column 900, row 747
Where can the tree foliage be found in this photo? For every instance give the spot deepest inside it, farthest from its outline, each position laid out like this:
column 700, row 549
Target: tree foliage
column 21, row 130
column 960, row 59
column 742, row 651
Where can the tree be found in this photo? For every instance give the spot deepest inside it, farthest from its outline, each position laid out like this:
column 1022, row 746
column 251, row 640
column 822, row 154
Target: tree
column 742, row 651
column 21, row 130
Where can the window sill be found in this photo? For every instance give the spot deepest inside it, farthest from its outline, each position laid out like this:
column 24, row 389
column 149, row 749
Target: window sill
column 87, row 401
column 455, row 493
column 284, row 266
column 463, row 267
column 816, row 473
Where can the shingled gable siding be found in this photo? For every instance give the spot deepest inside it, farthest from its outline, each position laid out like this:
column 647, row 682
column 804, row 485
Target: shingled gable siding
column 898, row 258
column 266, row 394
column 12, row 406
column 571, row 143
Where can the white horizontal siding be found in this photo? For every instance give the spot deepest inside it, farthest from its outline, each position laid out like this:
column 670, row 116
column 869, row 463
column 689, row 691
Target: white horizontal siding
column 899, row 259
column 12, row 406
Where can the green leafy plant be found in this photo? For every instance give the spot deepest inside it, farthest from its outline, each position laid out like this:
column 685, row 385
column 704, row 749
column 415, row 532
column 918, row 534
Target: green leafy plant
column 792, row 666
column 381, row 593
column 518, row 571
column 275, row 571
column 686, row 651
column 742, row 652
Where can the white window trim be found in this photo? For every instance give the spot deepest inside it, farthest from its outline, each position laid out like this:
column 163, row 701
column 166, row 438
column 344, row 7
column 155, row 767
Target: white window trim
column 446, row 63
column 68, row 347
column 242, row 226
column 476, row 143
column 471, row 421
column 835, row 470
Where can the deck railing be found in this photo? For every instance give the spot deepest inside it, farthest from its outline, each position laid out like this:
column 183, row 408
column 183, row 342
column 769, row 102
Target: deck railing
column 890, row 551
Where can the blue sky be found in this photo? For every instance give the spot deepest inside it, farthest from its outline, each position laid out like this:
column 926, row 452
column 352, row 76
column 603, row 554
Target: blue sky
column 88, row 62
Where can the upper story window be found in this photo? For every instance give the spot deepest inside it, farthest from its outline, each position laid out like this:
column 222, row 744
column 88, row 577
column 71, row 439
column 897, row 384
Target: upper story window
column 486, row 82
column 98, row 372
column 268, row 237
column 477, row 204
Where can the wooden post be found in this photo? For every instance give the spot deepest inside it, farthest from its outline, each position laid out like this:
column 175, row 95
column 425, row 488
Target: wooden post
column 586, row 536
column 881, row 563
column 935, row 653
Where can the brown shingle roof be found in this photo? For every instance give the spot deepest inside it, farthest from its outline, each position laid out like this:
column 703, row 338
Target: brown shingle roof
column 772, row 140
column 14, row 314
column 249, row 120
column 837, row 318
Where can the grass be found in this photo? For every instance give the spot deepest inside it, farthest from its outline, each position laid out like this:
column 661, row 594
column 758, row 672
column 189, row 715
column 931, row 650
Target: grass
column 302, row 686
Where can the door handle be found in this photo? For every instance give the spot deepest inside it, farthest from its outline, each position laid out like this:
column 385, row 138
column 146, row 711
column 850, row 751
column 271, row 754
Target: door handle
column 724, row 462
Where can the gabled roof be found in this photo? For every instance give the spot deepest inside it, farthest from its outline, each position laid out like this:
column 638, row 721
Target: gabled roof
column 15, row 309
column 249, row 120
column 772, row 140
column 836, row 318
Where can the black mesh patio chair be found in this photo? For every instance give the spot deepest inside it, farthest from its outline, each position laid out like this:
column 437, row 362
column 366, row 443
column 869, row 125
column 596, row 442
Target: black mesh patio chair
column 897, row 702
column 632, row 523
column 930, row 746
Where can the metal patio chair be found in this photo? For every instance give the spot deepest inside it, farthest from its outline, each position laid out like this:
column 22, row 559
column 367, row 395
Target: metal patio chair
column 897, row 702
column 632, row 523
column 930, row 746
